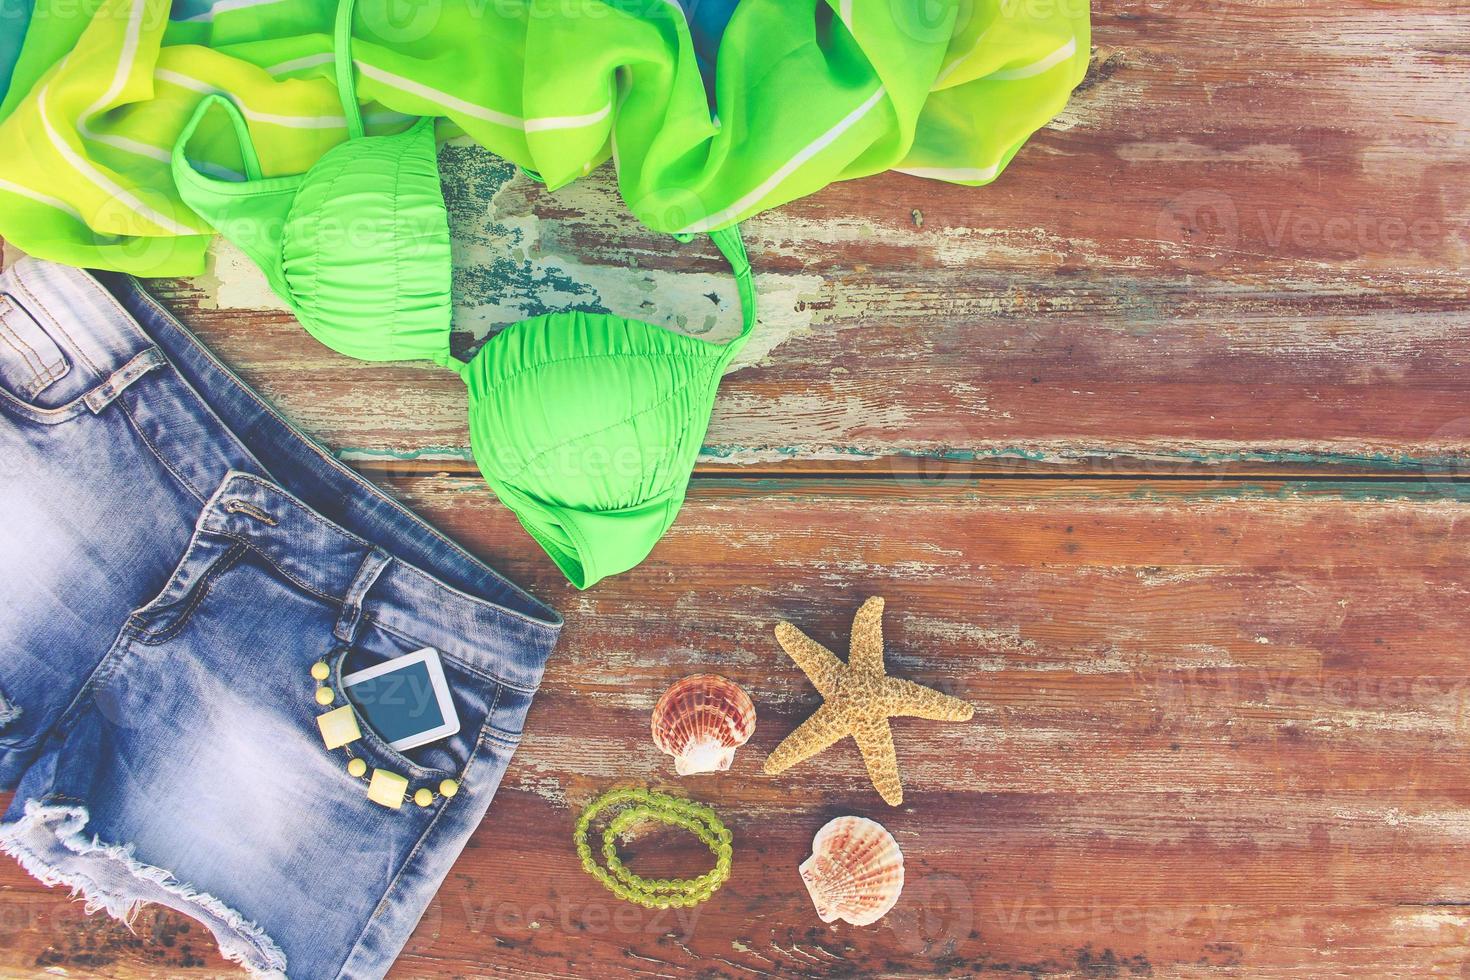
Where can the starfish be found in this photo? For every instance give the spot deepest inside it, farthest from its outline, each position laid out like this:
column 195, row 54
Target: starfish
column 858, row 698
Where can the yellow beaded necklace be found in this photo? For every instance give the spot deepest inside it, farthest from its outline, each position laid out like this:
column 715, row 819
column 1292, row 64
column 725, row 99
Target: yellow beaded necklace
column 642, row 804
column 339, row 730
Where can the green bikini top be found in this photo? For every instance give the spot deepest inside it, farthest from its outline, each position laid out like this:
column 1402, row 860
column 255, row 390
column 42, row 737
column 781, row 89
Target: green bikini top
column 586, row 425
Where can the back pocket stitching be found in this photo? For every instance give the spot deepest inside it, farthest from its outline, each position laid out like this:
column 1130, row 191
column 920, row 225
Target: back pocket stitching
column 244, row 542
column 40, row 368
column 59, row 324
column 42, row 373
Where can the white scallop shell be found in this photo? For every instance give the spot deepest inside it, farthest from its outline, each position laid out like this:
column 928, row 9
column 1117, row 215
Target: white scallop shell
column 855, row 872
column 701, row 721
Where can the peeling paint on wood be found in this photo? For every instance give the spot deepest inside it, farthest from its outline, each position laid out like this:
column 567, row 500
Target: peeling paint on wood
column 1157, row 448
column 1212, row 731
column 1204, row 247
column 512, row 262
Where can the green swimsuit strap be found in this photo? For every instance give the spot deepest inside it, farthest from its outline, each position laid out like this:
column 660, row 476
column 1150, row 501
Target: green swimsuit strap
column 346, row 92
column 182, row 169
column 249, row 212
column 257, row 202
column 730, row 243
column 342, row 56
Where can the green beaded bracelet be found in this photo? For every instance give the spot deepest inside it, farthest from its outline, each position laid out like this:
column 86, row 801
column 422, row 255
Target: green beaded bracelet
column 642, row 804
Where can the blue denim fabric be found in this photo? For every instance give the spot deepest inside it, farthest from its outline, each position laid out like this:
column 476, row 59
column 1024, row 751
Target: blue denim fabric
column 176, row 558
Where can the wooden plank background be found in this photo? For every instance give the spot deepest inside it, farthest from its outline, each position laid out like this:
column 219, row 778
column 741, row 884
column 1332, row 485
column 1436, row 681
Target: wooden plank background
column 1155, row 448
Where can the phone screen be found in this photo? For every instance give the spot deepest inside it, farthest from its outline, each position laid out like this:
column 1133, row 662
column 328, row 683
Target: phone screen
column 400, row 703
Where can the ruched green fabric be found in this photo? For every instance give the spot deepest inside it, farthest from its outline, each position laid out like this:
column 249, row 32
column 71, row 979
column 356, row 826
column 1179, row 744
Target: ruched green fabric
column 366, row 249
column 805, row 92
column 588, row 426
column 358, row 246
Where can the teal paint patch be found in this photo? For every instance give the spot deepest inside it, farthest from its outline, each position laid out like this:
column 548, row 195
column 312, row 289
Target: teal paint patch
column 15, row 18
column 937, row 455
column 1364, row 491
column 1060, row 491
column 427, row 454
column 1431, row 465
column 496, row 273
column 1447, row 466
column 1381, row 461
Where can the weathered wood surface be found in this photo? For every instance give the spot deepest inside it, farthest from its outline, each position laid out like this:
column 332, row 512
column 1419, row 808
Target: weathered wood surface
column 1210, row 335
column 1221, row 730
column 1244, row 243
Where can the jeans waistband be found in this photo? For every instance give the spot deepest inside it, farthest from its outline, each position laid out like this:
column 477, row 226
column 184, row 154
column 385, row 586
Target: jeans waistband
column 371, row 583
column 323, row 524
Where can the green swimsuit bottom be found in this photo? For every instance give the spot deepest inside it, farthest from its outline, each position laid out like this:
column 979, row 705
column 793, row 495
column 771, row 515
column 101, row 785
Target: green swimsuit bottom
column 586, row 425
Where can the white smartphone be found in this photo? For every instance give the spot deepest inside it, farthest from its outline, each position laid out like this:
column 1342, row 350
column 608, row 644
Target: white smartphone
column 405, row 700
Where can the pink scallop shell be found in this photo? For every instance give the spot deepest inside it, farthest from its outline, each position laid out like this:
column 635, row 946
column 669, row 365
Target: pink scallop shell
column 855, row 872
column 701, row 720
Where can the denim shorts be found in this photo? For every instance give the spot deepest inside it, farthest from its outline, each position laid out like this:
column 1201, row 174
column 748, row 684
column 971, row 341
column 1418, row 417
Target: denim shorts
column 177, row 558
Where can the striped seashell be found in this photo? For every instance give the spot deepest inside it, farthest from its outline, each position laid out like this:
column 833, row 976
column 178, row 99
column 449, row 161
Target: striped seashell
column 701, row 721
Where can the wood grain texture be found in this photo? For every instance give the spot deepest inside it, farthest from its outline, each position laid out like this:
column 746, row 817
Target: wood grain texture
column 1244, row 242
column 1156, row 448
column 1220, row 731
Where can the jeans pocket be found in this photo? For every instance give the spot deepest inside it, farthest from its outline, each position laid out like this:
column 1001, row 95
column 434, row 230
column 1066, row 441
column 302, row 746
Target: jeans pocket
column 31, row 364
column 206, row 559
column 30, row 361
column 475, row 699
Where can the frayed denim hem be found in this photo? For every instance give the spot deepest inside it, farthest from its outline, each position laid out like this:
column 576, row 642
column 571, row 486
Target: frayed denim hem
column 49, row 842
column 9, row 711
